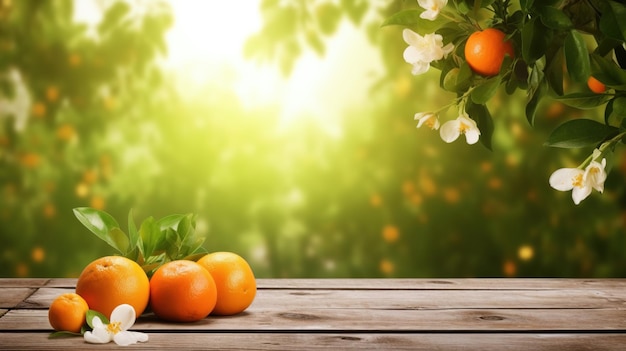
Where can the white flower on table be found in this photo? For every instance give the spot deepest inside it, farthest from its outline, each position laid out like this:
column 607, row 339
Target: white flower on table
column 427, row 118
column 423, row 50
column 432, row 8
column 122, row 318
column 451, row 130
column 580, row 182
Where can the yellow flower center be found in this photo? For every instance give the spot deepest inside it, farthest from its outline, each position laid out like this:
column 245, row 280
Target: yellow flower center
column 431, row 122
column 577, row 181
column 114, row 327
column 463, row 127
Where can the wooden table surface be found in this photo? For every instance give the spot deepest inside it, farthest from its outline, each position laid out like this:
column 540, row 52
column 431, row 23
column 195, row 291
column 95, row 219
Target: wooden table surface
column 343, row 314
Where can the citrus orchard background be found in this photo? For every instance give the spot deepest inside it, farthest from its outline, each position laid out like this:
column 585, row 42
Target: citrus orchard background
column 95, row 115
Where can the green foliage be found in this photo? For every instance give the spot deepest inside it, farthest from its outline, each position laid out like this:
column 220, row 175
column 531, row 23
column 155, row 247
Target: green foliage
column 156, row 242
column 379, row 200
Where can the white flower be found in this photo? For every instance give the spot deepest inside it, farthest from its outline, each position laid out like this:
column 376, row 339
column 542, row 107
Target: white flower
column 428, row 118
column 451, row 130
column 432, row 8
column 423, row 50
column 579, row 181
column 122, row 318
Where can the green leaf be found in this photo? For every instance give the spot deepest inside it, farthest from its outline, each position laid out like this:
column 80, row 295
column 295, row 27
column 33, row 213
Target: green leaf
column 535, row 40
column 113, row 16
column 526, row 4
column 120, row 239
column 615, row 109
column 103, row 225
column 554, row 72
column 411, row 18
column 484, row 92
column 612, row 22
column 148, row 231
column 63, row 334
column 537, row 88
column 577, row 56
column 92, row 313
column 133, row 234
column 580, row 133
column 608, row 72
column 584, row 100
column 483, row 119
column 554, row 18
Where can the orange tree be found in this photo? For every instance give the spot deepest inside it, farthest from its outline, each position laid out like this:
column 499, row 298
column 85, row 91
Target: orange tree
column 432, row 210
column 63, row 86
column 555, row 58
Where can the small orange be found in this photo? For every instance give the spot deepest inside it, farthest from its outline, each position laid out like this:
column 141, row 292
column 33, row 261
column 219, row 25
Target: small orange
column 595, row 85
column 182, row 291
column 485, row 51
column 236, row 286
column 67, row 312
column 110, row 281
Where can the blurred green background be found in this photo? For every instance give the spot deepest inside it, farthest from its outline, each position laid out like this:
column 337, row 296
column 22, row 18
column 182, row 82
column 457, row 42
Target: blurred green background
column 287, row 127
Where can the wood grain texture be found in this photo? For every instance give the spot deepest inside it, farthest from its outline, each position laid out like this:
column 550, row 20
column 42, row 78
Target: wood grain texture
column 11, row 297
column 350, row 314
column 331, row 341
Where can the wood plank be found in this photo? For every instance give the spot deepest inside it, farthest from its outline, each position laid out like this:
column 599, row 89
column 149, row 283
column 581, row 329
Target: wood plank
column 408, row 299
column 62, row 283
column 22, row 282
column 43, row 297
column 436, row 299
column 389, row 283
column 332, row 341
column 336, row 320
column 11, row 297
column 2, row 312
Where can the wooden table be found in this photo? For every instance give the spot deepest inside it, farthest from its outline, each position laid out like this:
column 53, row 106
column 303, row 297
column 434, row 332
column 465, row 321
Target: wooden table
column 343, row 314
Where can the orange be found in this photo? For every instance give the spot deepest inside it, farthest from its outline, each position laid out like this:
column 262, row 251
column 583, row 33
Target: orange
column 595, row 85
column 182, row 291
column 67, row 312
column 236, row 286
column 110, row 281
column 485, row 51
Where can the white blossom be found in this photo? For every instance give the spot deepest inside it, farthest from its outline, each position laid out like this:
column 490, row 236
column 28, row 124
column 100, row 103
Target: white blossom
column 423, row 50
column 580, row 182
column 432, row 8
column 427, row 118
column 122, row 318
column 451, row 130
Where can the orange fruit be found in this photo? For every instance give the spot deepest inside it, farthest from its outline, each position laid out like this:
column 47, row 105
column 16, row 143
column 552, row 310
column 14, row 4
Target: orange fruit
column 182, row 291
column 67, row 312
column 595, row 85
column 110, row 281
column 236, row 286
column 485, row 51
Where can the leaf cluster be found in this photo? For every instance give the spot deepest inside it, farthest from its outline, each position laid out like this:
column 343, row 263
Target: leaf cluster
column 554, row 49
column 154, row 243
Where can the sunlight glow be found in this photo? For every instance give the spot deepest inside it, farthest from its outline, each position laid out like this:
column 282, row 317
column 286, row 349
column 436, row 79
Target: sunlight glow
column 206, row 46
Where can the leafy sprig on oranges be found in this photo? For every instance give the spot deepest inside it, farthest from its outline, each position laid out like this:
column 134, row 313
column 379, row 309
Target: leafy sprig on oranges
column 154, row 243
column 569, row 50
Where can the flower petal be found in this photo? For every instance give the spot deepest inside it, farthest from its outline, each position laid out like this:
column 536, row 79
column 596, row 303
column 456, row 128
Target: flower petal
column 580, row 193
column 141, row 337
column 97, row 322
column 125, row 338
column 562, row 179
column 420, row 67
column 98, row 335
column 472, row 136
column 449, row 131
column 125, row 314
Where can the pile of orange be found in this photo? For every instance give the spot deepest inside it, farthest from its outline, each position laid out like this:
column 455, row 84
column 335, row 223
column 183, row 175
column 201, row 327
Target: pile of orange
column 220, row 283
